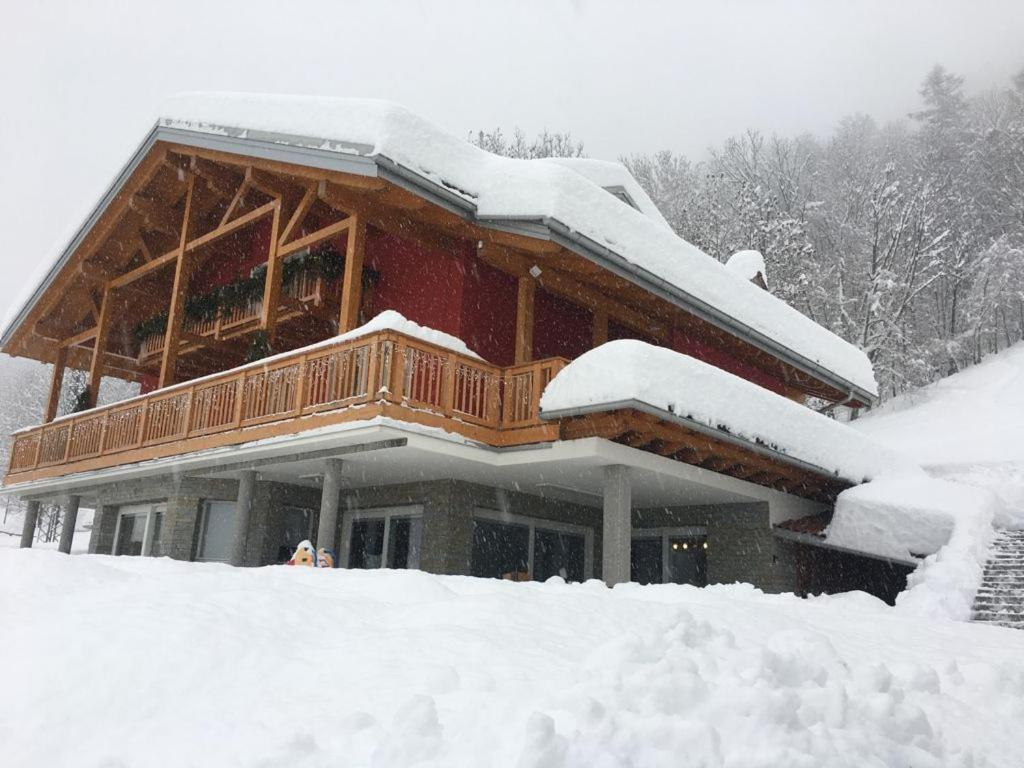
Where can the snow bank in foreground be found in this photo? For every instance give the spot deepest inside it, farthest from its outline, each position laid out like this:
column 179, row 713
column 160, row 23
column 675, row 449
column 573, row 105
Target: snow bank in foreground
column 627, row 369
column 143, row 662
column 909, row 513
column 503, row 188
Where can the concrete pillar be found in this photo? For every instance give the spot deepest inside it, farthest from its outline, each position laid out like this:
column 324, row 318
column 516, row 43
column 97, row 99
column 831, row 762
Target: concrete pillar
column 67, row 531
column 618, row 526
column 327, row 531
column 243, row 511
column 28, row 528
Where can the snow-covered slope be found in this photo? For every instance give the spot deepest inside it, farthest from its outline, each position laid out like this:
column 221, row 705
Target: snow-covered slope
column 152, row 662
column 972, row 417
column 567, row 192
column 967, row 432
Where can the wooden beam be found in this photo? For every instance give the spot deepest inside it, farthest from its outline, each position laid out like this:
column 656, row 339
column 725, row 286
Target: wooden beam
column 326, row 233
column 524, row 319
column 600, row 326
column 308, row 198
column 352, row 283
column 265, row 182
column 272, row 278
column 96, row 366
column 231, row 226
column 219, row 179
column 155, row 215
column 235, row 202
column 175, row 317
column 78, row 338
column 56, row 381
column 139, row 272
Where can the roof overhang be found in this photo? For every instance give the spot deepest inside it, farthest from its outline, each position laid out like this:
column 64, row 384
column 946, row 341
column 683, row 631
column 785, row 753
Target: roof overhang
column 696, row 426
column 355, row 159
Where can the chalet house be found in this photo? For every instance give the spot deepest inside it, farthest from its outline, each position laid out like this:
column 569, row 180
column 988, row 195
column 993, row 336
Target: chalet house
column 351, row 327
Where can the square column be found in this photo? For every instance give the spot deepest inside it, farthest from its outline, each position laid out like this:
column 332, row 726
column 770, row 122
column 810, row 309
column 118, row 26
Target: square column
column 67, row 531
column 28, row 528
column 243, row 512
column 617, row 536
column 327, row 531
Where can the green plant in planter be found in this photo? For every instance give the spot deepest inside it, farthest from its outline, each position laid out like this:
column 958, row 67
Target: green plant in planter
column 259, row 347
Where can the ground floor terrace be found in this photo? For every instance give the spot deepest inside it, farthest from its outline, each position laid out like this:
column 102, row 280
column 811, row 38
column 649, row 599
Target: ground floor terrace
column 386, row 494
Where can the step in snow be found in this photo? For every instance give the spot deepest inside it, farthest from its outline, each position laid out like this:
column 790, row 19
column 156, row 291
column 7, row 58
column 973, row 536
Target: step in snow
column 1000, row 598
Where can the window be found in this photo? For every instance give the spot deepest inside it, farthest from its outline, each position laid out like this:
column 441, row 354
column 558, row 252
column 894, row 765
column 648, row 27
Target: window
column 521, row 548
column 645, row 566
column 669, row 556
column 138, row 529
column 215, row 531
column 296, row 526
column 390, row 538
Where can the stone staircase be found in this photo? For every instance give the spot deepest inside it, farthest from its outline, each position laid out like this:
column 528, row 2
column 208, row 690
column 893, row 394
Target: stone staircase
column 1000, row 599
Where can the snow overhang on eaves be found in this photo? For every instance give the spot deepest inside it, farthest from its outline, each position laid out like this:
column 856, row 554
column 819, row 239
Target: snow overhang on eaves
column 356, row 159
column 696, row 426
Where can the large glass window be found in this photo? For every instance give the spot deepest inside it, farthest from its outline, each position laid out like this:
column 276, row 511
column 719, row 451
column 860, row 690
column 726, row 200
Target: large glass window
column 139, row 529
column 130, row 532
column 391, row 538
column 558, row 554
column 500, row 550
column 296, row 526
column 670, row 556
column 521, row 548
column 367, row 544
column 406, row 536
column 645, row 564
column 216, row 530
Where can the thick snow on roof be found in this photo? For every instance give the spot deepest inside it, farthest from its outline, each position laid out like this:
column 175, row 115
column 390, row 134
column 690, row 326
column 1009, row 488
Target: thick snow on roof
column 400, row 668
column 972, row 417
column 630, row 370
column 504, row 188
column 748, row 265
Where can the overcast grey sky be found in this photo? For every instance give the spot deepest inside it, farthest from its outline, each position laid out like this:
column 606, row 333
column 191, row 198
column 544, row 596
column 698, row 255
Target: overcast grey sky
column 81, row 82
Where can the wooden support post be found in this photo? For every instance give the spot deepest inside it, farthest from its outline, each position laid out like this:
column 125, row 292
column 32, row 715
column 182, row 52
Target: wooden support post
column 56, row 382
column 175, row 316
column 96, row 367
column 524, row 319
column 352, row 284
column 272, row 280
column 600, row 327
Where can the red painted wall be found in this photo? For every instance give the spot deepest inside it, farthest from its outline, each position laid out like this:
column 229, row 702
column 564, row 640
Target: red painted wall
column 488, row 323
column 617, row 331
column 695, row 347
column 560, row 328
column 236, row 258
column 424, row 285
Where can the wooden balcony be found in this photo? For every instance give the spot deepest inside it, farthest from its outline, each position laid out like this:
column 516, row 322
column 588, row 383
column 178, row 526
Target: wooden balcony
column 382, row 374
column 304, row 293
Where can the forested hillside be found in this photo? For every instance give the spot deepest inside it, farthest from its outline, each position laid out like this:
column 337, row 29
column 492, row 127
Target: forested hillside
column 907, row 239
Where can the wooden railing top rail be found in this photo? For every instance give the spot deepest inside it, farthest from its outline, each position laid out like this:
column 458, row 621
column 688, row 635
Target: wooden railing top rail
column 387, row 367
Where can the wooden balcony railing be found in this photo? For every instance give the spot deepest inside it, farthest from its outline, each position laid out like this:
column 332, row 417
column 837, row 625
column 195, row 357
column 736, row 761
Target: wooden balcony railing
column 386, row 373
column 306, row 286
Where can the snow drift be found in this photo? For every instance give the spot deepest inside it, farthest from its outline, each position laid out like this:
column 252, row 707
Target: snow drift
column 154, row 662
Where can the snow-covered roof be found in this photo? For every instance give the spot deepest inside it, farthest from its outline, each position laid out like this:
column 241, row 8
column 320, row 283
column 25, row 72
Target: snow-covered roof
column 569, row 196
column 621, row 373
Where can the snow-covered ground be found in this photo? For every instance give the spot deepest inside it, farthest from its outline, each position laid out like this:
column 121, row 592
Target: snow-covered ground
column 965, row 432
column 154, row 662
